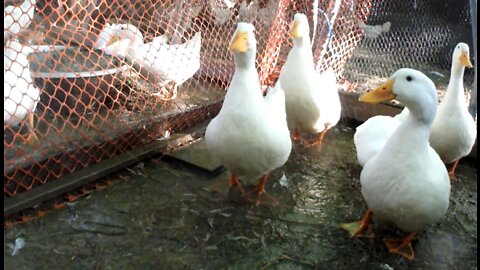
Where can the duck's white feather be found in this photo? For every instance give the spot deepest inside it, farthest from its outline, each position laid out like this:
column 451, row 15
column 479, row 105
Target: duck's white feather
column 454, row 131
column 371, row 136
column 166, row 62
column 18, row 18
column 312, row 99
column 249, row 136
column 405, row 182
column 20, row 96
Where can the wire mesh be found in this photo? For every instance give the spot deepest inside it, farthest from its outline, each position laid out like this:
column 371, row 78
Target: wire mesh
column 94, row 103
column 77, row 96
column 420, row 34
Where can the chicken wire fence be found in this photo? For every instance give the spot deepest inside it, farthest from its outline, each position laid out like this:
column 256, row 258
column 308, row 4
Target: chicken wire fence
column 420, row 34
column 97, row 101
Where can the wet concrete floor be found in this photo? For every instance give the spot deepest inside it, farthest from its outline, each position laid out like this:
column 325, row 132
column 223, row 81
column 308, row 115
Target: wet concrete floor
column 166, row 215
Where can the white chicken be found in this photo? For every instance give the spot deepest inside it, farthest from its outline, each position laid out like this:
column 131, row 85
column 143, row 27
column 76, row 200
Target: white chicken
column 312, row 99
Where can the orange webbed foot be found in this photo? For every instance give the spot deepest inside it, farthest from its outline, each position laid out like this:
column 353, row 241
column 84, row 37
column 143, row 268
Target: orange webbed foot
column 296, row 135
column 236, row 193
column 401, row 246
column 259, row 196
column 361, row 228
column 319, row 138
column 235, row 183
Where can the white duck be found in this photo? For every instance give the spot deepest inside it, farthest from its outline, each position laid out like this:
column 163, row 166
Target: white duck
column 157, row 60
column 20, row 96
column 312, row 100
column 454, row 130
column 18, row 18
column 105, row 37
column 406, row 182
column 250, row 134
column 371, row 136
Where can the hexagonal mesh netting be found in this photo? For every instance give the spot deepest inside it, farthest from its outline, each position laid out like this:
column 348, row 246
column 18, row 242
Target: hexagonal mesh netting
column 416, row 34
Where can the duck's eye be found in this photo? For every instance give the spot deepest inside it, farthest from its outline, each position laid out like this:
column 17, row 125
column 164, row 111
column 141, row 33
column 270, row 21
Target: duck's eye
column 409, row 78
column 458, row 47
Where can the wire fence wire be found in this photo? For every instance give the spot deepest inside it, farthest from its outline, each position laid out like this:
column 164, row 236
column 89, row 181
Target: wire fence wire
column 87, row 80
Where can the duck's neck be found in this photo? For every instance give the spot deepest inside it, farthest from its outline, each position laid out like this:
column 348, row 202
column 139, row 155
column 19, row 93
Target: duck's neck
column 245, row 82
column 137, row 40
column 413, row 133
column 423, row 112
column 302, row 41
column 135, row 48
column 415, row 129
column 247, row 77
column 455, row 91
column 244, row 61
column 302, row 51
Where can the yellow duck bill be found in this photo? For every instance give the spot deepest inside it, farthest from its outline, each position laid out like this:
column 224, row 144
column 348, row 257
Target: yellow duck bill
column 381, row 93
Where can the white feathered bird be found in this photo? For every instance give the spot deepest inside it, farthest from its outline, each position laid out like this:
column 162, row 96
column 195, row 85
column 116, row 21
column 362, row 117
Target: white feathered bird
column 250, row 135
column 157, row 60
column 405, row 181
column 454, row 130
column 20, row 94
column 18, row 18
